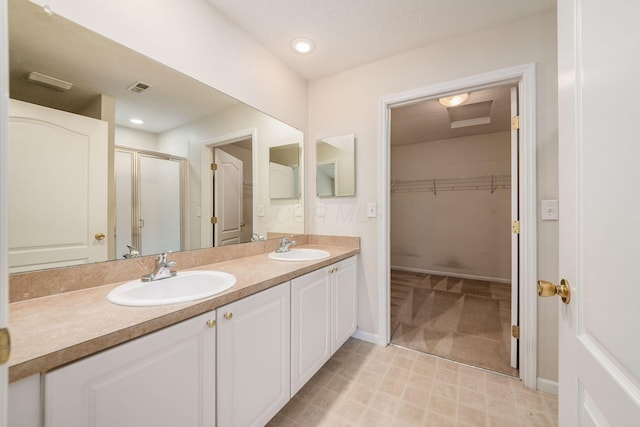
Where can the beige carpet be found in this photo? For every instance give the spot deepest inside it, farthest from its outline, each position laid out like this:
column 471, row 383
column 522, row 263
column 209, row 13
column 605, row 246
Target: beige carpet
column 460, row 319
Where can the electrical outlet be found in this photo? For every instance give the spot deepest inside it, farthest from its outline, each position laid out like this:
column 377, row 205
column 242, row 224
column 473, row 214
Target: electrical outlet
column 260, row 210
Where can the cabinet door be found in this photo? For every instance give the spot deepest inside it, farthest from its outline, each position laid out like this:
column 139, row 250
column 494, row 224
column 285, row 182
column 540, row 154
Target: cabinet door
column 166, row 378
column 345, row 301
column 310, row 326
column 254, row 358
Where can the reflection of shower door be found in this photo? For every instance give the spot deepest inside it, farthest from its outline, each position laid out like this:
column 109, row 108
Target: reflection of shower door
column 149, row 202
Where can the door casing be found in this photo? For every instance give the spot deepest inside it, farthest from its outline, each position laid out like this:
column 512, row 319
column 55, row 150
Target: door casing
column 524, row 77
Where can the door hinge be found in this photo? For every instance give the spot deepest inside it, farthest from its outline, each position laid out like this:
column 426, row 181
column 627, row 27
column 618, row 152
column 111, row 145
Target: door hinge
column 5, row 345
column 515, row 123
column 515, row 331
column 214, row 167
column 515, row 227
column 214, row 220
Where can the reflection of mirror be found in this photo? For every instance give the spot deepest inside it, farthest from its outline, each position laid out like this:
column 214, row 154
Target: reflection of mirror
column 184, row 123
column 284, row 171
column 335, row 166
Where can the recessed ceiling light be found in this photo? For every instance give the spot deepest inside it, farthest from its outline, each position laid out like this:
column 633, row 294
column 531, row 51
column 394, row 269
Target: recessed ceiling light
column 452, row 101
column 302, row 45
column 136, row 121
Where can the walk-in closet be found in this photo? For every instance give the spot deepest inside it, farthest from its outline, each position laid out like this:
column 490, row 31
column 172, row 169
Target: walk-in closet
column 451, row 236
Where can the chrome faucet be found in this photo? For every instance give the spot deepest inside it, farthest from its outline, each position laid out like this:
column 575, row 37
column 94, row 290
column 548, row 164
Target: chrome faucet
column 133, row 252
column 284, row 245
column 162, row 269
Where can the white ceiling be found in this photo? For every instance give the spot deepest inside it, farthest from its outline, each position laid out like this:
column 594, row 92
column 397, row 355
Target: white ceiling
column 348, row 33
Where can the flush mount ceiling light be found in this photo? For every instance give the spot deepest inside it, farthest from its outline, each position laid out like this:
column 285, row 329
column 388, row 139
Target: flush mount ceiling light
column 136, row 121
column 452, row 101
column 302, row 45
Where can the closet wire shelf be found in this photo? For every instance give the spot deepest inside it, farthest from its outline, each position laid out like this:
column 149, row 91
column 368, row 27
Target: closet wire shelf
column 463, row 183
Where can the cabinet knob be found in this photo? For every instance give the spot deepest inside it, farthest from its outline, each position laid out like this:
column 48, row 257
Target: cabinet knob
column 211, row 323
column 228, row 316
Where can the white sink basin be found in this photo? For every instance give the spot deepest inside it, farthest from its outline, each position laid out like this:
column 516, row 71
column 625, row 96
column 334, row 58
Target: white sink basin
column 185, row 286
column 300, row 255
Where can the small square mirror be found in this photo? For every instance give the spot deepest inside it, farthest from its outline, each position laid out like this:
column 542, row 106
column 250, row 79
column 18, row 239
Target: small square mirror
column 335, row 166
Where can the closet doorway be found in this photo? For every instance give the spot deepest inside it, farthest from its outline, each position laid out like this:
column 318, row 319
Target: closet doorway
column 453, row 200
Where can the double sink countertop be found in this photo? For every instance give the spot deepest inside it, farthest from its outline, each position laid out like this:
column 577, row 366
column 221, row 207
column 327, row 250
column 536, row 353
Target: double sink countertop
column 76, row 320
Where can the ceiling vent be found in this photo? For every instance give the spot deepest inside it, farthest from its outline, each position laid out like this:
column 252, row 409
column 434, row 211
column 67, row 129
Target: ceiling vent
column 48, row 81
column 139, row 87
column 470, row 114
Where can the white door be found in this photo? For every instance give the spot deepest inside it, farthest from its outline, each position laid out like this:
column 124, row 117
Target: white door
column 4, row 170
column 163, row 379
column 227, row 199
column 310, row 325
column 344, row 283
column 124, row 174
column 57, row 188
column 282, row 181
column 160, row 204
column 598, row 69
column 253, row 359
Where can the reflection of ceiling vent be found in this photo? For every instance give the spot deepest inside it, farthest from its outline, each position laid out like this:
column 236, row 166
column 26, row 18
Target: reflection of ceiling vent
column 139, row 87
column 470, row 114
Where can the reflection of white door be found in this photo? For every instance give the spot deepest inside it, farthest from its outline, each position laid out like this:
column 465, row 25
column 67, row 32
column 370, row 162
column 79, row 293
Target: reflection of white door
column 160, row 204
column 227, row 199
column 57, row 188
column 599, row 372
column 282, row 183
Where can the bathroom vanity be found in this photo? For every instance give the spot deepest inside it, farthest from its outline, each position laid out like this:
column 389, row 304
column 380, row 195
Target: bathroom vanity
column 234, row 359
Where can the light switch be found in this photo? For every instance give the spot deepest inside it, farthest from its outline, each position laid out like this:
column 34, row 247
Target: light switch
column 198, row 212
column 371, row 210
column 260, row 210
column 297, row 210
column 320, row 209
column 549, row 210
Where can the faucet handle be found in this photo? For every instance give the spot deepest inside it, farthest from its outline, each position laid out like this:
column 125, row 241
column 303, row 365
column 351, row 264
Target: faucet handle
column 162, row 258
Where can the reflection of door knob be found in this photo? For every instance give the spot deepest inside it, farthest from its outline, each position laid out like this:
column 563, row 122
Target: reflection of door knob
column 548, row 289
column 100, row 236
column 243, row 225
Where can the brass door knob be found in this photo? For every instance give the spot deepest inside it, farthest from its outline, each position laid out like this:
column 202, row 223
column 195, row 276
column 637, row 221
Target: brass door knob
column 548, row 289
column 228, row 316
column 211, row 323
column 100, row 236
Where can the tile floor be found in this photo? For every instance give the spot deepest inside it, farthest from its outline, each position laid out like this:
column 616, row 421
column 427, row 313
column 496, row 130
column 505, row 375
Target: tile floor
column 368, row 385
column 459, row 319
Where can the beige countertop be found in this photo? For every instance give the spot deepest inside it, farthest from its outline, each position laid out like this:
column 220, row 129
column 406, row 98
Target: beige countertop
column 50, row 331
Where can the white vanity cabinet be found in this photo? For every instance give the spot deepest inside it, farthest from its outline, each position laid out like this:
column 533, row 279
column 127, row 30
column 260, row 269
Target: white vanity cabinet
column 166, row 378
column 253, row 359
column 310, row 325
column 344, row 295
column 323, row 317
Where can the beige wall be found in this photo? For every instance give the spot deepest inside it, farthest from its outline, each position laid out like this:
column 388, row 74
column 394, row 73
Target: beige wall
column 349, row 102
column 455, row 232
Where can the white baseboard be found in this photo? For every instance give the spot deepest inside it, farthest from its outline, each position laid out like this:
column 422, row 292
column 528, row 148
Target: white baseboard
column 450, row 274
column 368, row 337
column 547, row 385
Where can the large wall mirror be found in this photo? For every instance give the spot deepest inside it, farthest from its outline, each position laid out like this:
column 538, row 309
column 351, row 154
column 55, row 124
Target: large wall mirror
column 335, row 166
column 110, row 148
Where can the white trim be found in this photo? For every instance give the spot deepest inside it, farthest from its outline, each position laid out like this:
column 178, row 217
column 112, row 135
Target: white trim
column 547, row 386
column 4, row 199
column 206, row 190
column 367, row 336
column 525, row 75
column 450, row 274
